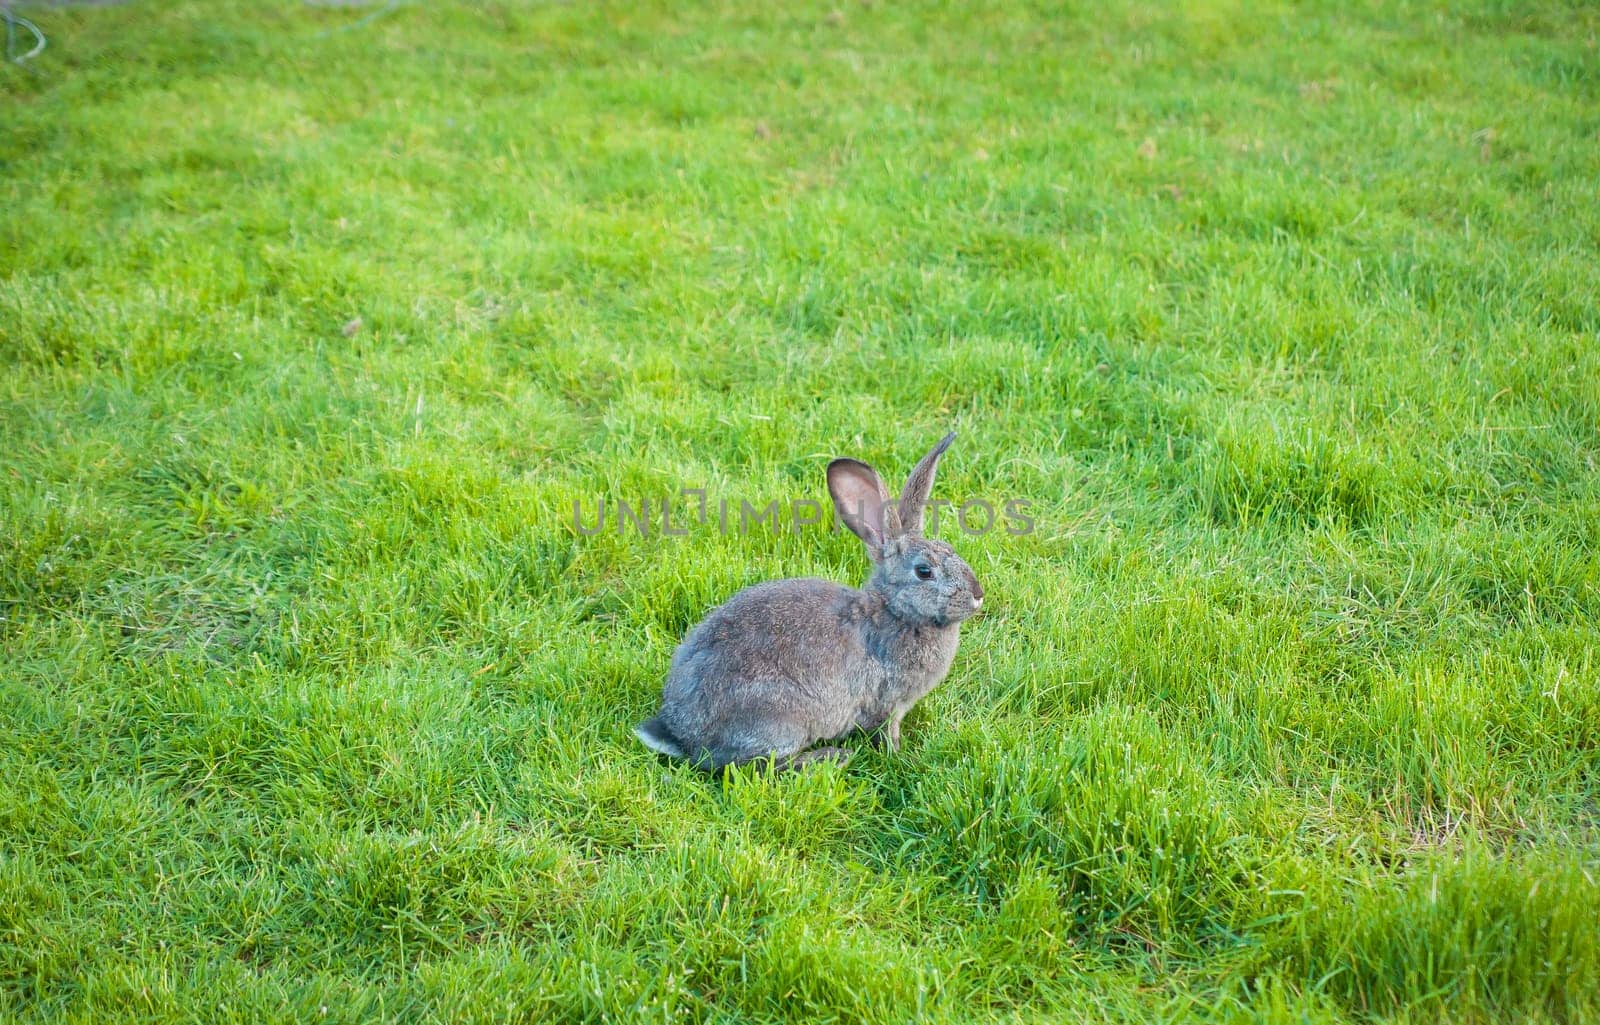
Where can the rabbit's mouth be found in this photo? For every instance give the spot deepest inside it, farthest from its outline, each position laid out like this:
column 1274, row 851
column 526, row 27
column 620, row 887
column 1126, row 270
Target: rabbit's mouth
column 956, row 614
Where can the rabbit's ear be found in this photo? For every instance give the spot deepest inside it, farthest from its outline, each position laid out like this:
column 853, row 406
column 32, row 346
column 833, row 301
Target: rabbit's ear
column 914, row 498
column 861, row 501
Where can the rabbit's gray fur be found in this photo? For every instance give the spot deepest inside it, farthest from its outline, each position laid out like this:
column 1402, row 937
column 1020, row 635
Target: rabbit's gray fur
column 784, row 664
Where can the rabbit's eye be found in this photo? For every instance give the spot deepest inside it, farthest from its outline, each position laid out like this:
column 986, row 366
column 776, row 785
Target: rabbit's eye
column 923, row 571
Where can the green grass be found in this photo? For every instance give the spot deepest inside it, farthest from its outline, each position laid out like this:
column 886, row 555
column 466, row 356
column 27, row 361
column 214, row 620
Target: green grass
column 314, row 707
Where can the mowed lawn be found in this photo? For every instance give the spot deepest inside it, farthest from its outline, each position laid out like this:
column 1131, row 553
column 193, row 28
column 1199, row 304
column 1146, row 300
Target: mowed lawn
column 315, row 322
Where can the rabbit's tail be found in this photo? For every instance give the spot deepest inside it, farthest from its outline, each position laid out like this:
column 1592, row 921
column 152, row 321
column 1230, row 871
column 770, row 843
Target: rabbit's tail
column 656, row 737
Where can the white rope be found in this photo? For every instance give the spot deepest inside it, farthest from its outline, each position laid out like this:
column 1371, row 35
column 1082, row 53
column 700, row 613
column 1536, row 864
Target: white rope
column 12, row 21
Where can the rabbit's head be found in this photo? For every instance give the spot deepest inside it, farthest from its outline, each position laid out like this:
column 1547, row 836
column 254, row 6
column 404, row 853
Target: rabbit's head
column 923, row 580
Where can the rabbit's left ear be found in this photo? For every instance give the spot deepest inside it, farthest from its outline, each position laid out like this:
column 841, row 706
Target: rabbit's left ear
column 914, row 498
column 862, row 502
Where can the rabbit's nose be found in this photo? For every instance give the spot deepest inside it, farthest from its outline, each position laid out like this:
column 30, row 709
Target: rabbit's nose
column 977, row 590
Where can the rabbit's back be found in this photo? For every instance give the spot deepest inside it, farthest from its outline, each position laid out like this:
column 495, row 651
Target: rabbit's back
column 778, row 666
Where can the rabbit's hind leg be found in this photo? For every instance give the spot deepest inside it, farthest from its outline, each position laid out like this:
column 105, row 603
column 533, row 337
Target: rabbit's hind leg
column 790, row 762
column 840, row 756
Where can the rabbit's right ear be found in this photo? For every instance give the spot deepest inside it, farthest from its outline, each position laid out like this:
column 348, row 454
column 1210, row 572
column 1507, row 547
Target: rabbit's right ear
column 861, row 501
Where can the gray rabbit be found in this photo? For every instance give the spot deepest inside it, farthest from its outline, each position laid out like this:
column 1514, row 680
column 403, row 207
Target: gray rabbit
column 790, row 662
